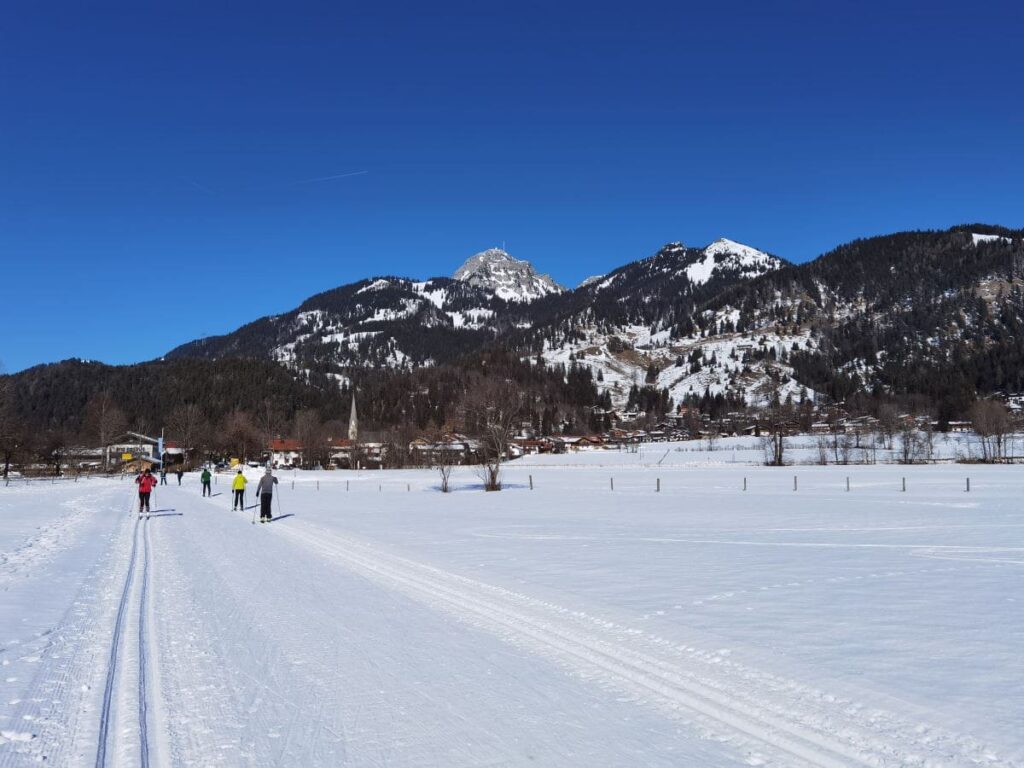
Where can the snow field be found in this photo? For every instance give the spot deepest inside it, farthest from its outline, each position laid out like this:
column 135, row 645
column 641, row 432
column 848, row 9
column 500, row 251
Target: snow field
column 389, row 624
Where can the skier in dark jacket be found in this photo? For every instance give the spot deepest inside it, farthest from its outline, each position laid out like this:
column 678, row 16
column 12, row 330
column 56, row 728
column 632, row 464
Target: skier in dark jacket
column 265, row 492
column 205, row 478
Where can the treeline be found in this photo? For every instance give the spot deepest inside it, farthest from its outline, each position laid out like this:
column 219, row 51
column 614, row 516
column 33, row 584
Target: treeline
column 237, row 405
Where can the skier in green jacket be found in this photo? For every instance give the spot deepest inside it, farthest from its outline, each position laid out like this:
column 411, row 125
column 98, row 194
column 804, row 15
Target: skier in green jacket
column 205, row 477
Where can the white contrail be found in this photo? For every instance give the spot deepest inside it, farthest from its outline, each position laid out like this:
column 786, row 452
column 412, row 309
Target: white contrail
column 201, row 187
column 328, row 178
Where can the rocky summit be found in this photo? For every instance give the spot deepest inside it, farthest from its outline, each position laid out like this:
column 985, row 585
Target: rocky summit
column 508, row 278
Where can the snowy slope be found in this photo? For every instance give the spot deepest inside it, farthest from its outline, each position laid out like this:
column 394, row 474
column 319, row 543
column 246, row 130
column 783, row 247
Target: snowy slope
column 621, row 356
column 976, row 238
column 378, row 622
column 729, row 254
column 722, row 365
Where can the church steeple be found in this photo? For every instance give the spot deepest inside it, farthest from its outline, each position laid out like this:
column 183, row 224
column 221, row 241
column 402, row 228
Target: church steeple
column 353, row 421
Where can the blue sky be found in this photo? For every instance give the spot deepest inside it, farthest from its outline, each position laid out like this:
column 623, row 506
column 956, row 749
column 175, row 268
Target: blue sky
column 162, row 170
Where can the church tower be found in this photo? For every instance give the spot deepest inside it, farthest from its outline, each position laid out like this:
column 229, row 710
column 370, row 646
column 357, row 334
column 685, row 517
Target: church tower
column 353, row 421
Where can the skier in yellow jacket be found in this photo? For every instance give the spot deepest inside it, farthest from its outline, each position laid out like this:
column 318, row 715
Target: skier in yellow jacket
column 238, row 486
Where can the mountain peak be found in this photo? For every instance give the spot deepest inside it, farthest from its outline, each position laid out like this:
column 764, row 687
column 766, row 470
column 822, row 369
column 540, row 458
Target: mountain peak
column 509, row 278
column 736, row 257
column 725, row 245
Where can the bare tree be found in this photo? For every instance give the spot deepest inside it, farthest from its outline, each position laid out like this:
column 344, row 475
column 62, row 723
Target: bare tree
column 712, row 436
column 51, row 449
column 310, row 433
column 776, row 416
column 774, row 446
column 847, row 443
column 445, row 461
column 773, row 439
column 186, row 423
column 11, row 432
column 104, row 421
column 992, row 423
column 888, row 421
column 927, row 441
column 823, row 449
column 492, row 411
column 910, row 444
column 239, row 435
column 269, row 421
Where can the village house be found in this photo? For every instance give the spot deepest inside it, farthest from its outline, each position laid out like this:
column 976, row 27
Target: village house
column 285, row 453
column 531, row 446
column 449, row 449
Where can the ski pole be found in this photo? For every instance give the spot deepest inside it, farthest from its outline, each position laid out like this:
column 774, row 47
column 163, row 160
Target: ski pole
column 278, row 504
column 254, row 509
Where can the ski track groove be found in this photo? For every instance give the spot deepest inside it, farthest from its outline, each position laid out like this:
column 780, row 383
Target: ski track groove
column 56, row 702
column 108, row 688
column 117, row 661
column 143, row 656
column 722, row 711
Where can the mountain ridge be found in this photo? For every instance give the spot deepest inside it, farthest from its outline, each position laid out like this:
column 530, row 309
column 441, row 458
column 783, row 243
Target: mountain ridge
column 726, row 319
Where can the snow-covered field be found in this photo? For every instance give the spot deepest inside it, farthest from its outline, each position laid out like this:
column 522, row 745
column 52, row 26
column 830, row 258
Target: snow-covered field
column 378, row 622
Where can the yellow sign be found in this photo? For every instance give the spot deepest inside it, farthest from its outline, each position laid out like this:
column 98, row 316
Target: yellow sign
column 126, row 457
column 234, row 462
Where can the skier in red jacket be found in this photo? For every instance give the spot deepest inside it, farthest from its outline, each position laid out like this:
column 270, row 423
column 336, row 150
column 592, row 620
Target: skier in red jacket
column 146, row 483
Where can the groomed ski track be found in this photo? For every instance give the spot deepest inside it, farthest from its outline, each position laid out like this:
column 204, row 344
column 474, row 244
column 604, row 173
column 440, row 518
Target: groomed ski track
column 761, row 726
column 116, row 651
column 200, row 639
column 124, row 723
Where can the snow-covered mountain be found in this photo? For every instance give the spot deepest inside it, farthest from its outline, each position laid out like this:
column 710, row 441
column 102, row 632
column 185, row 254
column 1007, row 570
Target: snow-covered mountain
column 619, row 325
column 378, row 322
column 725, row 319
column 633, row 327
column 508, row 278
column 676, row 268
column 735, row 257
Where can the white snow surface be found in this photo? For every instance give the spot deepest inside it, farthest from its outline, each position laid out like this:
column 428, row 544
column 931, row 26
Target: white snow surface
column 976, row 238
column 722, row 362
column 739, row 256
column 379, row 622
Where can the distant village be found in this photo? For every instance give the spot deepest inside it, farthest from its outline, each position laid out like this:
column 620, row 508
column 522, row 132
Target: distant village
column 131, row 452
